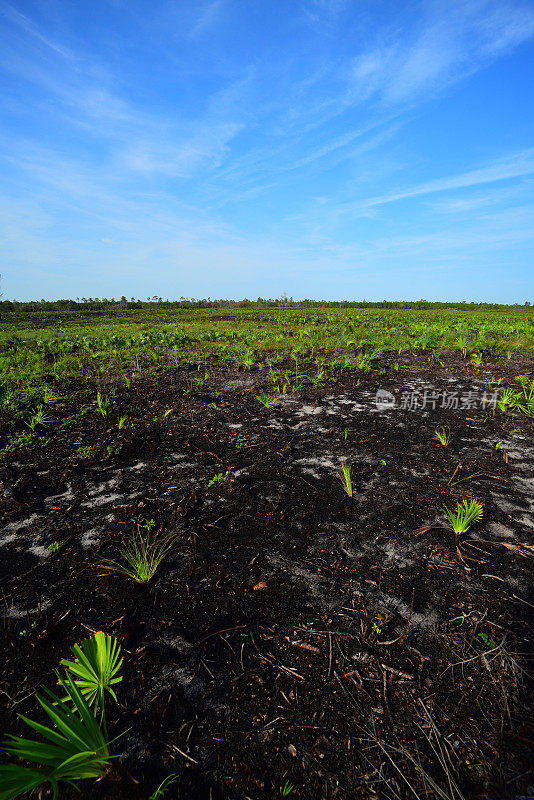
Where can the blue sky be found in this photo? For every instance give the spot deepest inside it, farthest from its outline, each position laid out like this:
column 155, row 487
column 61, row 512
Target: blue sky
column 336, row 149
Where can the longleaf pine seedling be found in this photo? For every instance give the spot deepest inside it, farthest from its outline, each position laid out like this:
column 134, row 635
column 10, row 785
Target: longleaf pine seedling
column 443, row 435
column 467, row 513
column 286, row 789
column 163, row 787
column 142, row 556
column 345, row 477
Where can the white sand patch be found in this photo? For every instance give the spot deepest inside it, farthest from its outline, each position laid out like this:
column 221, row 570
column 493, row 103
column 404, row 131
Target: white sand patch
column 102, row 487
column 14, row 530
column 309, row 410
column 312, row 472
column 10, row 537
column 17, row 613
column 90, row 538
column 497, row 530
column 67, row 496
column 102, row 500
column 323, row 462
column 39, row 551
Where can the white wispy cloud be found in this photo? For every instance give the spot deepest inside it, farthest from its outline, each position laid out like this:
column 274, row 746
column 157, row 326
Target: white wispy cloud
column 209, row 15
column 452, row 41
column 208, row 146
column 514, row 166
column 20, row 20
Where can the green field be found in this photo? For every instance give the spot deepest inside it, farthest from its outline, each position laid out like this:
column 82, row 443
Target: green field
column 333, row 579
column 42, row 353
column 72, row 344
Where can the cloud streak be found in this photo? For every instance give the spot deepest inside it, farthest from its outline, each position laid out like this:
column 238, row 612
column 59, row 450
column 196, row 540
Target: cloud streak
column 458, row 39
column 517, row 165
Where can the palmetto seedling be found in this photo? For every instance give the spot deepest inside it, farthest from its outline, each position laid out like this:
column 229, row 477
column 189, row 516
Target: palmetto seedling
column 476, row 358
column 142, row 556
column 462, row 344
column 443, row 435
column 75, row 748
column 369, row 361
column 248, row 360
column 506, row 399
column 435, row 358
column 266, row 399
column 467, row 513
column 105, row 404
column 522, row 401
column 97, row 662
column 39, row 417
column 345, row 477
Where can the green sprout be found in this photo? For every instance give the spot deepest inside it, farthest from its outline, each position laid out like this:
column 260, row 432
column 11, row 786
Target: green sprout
column 467, row 513
column 219, row 478
column 39, row 417
column 105, row 403
column 491, row 643
column 266, row 399
column 164, row 785
column 345, row 477
column 443, row 435
column 286, row 789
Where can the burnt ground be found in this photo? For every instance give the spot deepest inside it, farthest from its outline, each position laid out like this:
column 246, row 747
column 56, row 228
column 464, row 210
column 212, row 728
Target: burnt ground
column 292, row 634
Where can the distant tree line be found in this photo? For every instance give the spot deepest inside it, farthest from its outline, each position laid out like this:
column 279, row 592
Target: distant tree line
column 105, row 304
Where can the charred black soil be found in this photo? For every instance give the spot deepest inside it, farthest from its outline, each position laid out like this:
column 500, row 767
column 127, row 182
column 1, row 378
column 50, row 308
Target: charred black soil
column 350, row 646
